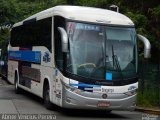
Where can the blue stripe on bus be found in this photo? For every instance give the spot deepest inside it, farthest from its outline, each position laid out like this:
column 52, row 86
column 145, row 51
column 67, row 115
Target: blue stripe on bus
column 84, row 85
column 25, row 55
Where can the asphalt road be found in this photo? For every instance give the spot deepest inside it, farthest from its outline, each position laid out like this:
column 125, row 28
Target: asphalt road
column 26, row 103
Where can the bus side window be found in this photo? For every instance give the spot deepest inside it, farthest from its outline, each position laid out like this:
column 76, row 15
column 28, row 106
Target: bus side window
column 58, row 22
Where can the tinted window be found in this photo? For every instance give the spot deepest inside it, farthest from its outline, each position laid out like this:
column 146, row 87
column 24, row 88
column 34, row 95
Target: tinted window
column 36, row 33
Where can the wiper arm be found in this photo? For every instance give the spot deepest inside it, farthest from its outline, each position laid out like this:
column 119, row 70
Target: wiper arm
column 116, row 62
column 113, row 56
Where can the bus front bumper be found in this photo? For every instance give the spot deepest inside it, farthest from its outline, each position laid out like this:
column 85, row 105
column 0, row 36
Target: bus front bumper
column 76, row 101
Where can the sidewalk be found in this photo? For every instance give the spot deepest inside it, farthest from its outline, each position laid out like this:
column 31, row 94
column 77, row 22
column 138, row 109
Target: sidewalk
column 148, row 110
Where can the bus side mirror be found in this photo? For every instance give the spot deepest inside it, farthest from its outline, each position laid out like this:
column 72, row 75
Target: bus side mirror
column 64, row 39
column 147, row 46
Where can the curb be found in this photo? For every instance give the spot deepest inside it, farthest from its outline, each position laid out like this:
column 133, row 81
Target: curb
column 148, row 110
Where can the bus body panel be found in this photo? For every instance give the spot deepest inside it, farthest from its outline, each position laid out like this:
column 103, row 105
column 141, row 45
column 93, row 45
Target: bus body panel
column 42, row 71
column 80, row 13
column 47, row 71
column 76, row 101
column 85, row 99
column 67, row 92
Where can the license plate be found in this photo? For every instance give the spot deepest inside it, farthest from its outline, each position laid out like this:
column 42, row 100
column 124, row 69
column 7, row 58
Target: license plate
column 103, row 104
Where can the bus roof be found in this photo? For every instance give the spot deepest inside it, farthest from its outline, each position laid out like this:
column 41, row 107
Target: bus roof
column 81, row 13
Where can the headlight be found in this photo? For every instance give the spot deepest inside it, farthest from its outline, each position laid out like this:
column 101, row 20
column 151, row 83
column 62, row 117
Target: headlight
column 130, row 93
column 71, row 88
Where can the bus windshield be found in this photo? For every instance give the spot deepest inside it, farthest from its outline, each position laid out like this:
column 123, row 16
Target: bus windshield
column 101, row 52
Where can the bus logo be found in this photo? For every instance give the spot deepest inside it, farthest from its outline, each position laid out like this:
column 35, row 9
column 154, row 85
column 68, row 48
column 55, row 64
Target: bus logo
column 46, row 57
column 104, row 96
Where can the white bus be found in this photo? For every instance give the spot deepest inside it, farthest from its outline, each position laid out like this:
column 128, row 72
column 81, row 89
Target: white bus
column 77, row 57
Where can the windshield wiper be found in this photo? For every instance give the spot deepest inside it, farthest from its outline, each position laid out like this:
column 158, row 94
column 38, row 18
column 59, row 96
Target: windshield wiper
column 116, row 62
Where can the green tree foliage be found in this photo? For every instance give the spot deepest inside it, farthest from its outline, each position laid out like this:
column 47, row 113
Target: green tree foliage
column 91, row 3
column 139, row 20
column 6, row 12
column 144, row 13
column 13, row 11
column 4, row 37
column 155, row 24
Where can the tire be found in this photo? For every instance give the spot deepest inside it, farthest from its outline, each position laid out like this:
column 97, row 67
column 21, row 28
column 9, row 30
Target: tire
column 17, row 89
column 46, row 97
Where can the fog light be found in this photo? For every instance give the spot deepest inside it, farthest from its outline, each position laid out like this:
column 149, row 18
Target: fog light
column 68, row 100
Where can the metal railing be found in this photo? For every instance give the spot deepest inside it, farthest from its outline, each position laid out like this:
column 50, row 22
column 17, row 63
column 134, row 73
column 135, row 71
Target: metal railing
column 149, row 84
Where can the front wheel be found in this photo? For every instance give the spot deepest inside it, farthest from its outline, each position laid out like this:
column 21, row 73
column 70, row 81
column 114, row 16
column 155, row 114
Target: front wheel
column 46, row 97
column 109, row 111
column 17, row 89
